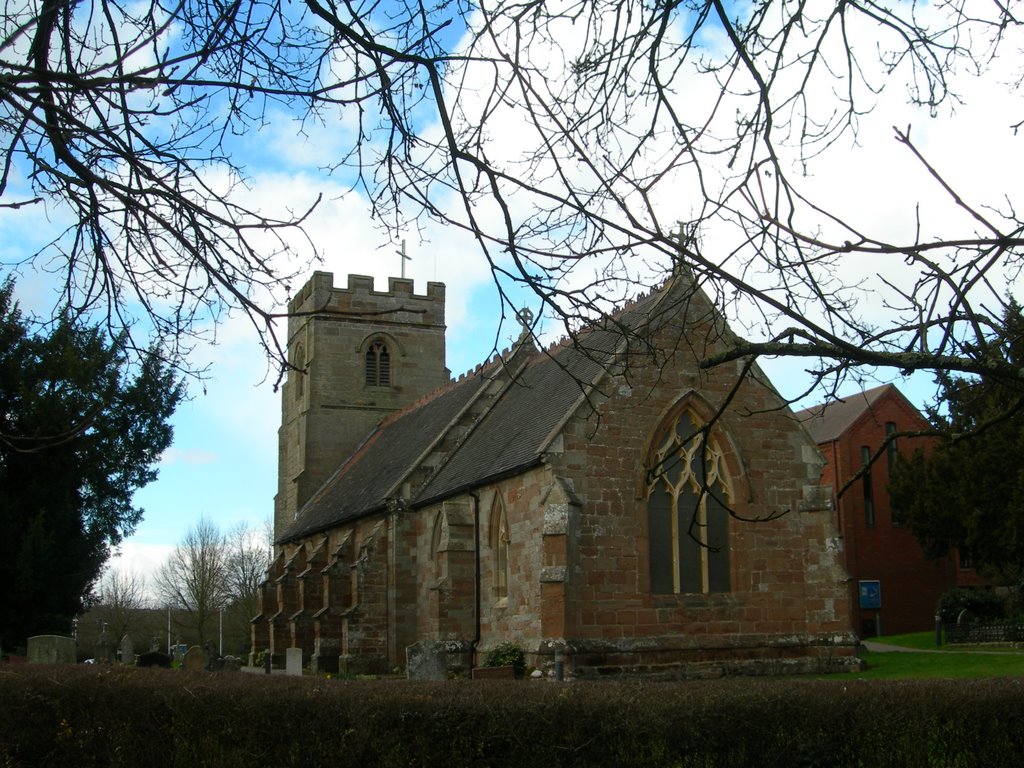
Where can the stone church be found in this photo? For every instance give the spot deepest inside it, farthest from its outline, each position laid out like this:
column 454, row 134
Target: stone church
column 603, row 498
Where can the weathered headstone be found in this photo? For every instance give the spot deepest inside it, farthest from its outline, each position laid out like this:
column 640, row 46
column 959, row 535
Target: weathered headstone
column 106, row 648
column 127, row 650
column 293, row 661
column 195, row 659
column 51, row 649
column 325, row 655
column 426, row 660
column 214, row 661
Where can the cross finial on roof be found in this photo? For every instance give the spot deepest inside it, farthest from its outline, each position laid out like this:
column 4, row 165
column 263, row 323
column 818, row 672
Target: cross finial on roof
column 525, row 318
column 404, row 257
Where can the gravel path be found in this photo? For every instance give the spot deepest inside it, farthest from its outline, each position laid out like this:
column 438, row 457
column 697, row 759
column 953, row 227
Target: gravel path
column 871, row 645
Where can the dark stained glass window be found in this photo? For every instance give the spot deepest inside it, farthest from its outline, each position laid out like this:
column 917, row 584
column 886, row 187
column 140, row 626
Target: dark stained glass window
column 688, row 513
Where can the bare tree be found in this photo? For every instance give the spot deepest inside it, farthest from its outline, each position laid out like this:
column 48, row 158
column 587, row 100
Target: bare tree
column 119, row 118
column 248, row 557
column 589, row 147
column 195, row 579
column 122, row 597
column 676, row 135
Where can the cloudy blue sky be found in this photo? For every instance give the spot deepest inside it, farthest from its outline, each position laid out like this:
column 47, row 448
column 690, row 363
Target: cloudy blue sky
column 223, row 462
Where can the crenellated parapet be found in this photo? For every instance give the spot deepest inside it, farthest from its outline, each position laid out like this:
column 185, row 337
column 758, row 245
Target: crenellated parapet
column 359, row 301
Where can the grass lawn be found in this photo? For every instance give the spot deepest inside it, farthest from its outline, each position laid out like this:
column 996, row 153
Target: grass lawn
column 924, row 641
column 949, row 662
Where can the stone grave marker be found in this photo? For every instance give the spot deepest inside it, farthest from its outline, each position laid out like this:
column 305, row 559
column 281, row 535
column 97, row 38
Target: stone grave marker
column 426, row 660
column 127, row 651
column 293, row 661
column 195, row 659
column 51, row 649
column 106, row 648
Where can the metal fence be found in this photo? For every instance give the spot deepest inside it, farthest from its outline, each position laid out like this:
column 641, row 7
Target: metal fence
column 984, row 633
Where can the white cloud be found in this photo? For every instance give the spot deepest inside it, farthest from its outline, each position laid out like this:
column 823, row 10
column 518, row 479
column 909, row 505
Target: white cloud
column 142, row 559
column 877, row 185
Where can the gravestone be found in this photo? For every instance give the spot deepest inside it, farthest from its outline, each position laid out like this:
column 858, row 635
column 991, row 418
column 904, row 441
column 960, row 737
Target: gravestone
column 195, row 659
column 426, row 660
column 127, row 651
column 325, row 655
column 293, row 661
column 106, row 648
column 51, row 649
column 214, row 661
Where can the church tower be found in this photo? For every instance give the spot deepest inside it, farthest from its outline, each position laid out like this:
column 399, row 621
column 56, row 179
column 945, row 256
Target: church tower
column 357, row 355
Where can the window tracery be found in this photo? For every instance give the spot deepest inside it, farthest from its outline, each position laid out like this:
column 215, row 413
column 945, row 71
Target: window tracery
column 688, row 497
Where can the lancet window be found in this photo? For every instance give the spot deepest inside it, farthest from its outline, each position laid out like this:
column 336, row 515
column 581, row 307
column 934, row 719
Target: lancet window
column 500, row 541
column 378, row 365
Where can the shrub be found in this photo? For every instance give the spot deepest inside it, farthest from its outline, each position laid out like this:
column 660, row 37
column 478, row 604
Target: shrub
column 116, row 717
column 982, row 604
column 507, row 655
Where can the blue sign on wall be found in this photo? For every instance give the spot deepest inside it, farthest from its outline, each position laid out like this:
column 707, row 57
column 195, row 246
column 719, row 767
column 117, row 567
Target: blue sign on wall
column 871, row 595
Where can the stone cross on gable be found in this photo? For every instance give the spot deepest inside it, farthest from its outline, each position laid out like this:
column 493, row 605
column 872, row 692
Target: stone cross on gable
column 525, row 318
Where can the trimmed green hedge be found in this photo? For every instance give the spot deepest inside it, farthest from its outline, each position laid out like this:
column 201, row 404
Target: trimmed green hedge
column 78, row 716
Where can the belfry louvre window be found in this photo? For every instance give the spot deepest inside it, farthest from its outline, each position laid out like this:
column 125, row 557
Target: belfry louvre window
column 688, row 500
column 378, row 365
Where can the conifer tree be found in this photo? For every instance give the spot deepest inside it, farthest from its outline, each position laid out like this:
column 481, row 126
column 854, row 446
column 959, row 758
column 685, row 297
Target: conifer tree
column 80, row 432
column 969, row 491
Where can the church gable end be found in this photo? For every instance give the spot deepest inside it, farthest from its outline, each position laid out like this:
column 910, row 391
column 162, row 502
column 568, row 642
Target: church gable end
column 697, row 544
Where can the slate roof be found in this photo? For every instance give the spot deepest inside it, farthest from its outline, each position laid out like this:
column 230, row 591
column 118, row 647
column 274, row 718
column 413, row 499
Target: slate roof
column 829, row 420
column 515, row 432
column 364, row 482
column 541, row 391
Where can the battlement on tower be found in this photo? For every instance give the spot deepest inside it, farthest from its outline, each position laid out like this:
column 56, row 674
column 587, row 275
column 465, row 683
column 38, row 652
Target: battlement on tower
column 399, row 303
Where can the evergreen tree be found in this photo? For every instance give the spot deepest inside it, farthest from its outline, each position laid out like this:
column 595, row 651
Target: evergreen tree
column 968, row 492
column 79, row 433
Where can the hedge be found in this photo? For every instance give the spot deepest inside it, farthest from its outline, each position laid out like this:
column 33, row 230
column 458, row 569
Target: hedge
column 88, row 716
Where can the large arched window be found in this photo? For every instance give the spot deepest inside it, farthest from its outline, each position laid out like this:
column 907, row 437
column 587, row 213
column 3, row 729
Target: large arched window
column 688, row 497
column 378, row 365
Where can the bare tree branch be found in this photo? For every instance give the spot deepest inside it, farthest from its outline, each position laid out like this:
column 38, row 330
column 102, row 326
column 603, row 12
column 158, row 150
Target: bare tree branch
column 572, row 140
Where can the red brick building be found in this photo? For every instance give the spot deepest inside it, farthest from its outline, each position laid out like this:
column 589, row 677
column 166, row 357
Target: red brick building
column 594, row 499
column 893, row 587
